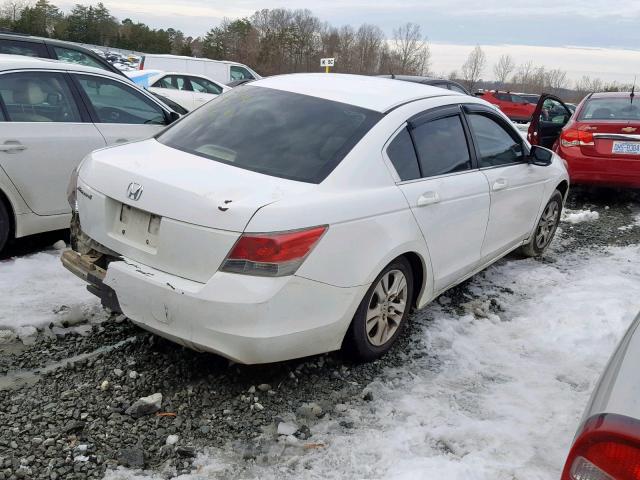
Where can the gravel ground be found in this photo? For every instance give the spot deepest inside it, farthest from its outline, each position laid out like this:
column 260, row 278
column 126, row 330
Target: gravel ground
column 69, row 405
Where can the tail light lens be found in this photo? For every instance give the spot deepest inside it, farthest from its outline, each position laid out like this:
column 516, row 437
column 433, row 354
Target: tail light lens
column 272, row 254
column 607, row 448
column 141, row 65
column 576, row 138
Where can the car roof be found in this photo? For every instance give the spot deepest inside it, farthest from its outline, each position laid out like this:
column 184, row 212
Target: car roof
column 373, row 93
column 610, row 95
column 17, row 62
column 185, row 57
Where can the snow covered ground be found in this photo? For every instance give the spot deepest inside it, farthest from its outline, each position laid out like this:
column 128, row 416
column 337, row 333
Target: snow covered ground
column 493, row 393
column 37, row 290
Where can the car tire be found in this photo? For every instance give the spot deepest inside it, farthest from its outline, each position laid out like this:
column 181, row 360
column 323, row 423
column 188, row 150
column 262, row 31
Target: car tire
column 5, row 226
column 545, row 228
column 369, row 337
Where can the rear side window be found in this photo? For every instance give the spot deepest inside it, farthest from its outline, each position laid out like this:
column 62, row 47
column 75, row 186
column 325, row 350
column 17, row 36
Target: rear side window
column 274, row 132
column 496, row 145
column 442, row 146
column 38, row 97
column 240, row 73
column 74, row 56
column 29, row 49
column 403, row 156
column 115, row 102
column 505, row 97
column 456, row 88
column 172, row 82
column 202, row 85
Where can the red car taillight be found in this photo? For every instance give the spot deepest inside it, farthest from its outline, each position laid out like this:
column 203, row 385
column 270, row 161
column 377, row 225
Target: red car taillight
column 576, row 138
column 608, row 448
column 272, row 254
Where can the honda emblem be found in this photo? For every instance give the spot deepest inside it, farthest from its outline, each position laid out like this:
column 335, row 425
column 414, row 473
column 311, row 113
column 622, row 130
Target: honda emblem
column 134, row 191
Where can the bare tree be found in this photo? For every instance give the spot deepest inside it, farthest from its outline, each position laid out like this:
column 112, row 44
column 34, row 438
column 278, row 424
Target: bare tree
column 504, row 68
column 556, row 80
column 12, row 9
column 411, row 49
column 524, row 75
column 472, row 68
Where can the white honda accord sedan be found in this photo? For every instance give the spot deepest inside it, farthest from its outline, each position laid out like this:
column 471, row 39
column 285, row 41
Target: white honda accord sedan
column 305, row 213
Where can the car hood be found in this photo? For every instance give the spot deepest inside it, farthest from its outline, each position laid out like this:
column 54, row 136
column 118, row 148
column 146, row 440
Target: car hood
column 183, row 186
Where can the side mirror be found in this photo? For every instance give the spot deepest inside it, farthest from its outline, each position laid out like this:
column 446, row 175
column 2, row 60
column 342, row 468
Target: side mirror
column 173, row 116
column 540, row 156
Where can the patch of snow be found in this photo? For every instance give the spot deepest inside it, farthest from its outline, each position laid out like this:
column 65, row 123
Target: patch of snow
column 636, row 223
column 37, row 290
column 497, row 393
column 578, row 216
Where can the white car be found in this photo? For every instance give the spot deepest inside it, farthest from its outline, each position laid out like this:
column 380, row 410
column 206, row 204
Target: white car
column 302, row 213
column 187, row 90
column 52, row 114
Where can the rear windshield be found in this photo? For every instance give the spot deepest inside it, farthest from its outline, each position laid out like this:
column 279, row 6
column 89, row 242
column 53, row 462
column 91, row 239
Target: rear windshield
column 277, row 133
column 610, row 109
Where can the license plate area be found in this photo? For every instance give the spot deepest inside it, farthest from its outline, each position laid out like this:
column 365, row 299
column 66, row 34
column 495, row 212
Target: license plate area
column 626, row 148
column 137, row 227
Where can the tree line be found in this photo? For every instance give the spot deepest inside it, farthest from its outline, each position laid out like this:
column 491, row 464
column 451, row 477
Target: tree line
column 274, row 41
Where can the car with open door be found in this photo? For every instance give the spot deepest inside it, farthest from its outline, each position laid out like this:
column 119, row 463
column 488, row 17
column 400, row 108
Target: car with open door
column 52, row 114
column 607, row 443
column 230, row 231
column 600, row 142
column 548, row 120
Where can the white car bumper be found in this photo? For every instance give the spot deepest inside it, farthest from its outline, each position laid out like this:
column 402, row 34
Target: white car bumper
column 244, row 318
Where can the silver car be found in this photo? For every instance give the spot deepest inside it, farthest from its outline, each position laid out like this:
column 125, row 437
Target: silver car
column 607, row 444
column 52, row 114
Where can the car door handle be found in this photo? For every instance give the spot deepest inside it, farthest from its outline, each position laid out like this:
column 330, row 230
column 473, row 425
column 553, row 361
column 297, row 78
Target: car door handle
column 500, row 184
column 428, row 198
column 12, row 147
column 121, row 140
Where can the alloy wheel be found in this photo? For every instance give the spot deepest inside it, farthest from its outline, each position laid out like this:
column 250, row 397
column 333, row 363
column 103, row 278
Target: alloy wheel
column 386, row 307
column 547, row 225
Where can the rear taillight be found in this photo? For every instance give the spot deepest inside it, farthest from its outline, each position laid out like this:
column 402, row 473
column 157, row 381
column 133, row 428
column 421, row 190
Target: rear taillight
column 141, row 66
column 576, row 138
column 272, row 254
column 607, row 448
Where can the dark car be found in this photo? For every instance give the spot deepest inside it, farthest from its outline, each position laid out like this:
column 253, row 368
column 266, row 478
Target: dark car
column 17, row 44
column 435, row 82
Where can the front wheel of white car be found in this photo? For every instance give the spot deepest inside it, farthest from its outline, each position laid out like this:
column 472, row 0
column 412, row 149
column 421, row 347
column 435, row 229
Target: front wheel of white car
column 546, row 227
column 382, row 312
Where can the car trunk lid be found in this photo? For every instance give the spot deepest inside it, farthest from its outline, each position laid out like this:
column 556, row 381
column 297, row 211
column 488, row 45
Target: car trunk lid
column 613, row 139
column 171, row 210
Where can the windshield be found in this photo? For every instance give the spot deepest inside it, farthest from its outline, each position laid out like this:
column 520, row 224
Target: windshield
column 610, row 109
column 277, row 133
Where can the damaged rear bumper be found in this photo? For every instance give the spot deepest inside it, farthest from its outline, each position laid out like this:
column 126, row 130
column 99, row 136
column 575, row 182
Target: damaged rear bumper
column 86, row 267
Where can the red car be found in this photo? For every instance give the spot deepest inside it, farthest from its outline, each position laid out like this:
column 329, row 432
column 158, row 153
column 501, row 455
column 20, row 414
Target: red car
column 517, row 108
column 600, row 142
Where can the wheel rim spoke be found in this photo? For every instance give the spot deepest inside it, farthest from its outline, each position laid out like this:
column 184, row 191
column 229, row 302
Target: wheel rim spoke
column 387, row 307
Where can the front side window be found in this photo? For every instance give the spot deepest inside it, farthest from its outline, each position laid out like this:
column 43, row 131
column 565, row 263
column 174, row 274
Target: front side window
column 278, row 133
column 403, row 156
column 240, row 73
column 202, row 85
column 518, row 99
column 172, row 82
column 610, row 109
column 29, row 49
column 38, row 97
column 496, row 145
column 441, row 146
column 115, row 102
column 74, row 56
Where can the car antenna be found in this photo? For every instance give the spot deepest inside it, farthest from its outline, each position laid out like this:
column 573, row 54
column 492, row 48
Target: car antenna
column 633, row 89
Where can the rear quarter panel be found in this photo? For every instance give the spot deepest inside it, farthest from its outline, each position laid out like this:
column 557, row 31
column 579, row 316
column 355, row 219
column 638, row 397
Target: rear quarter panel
column 618, row 389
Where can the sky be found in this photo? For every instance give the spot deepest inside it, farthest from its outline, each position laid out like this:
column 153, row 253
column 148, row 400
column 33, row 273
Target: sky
column 610, row 37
